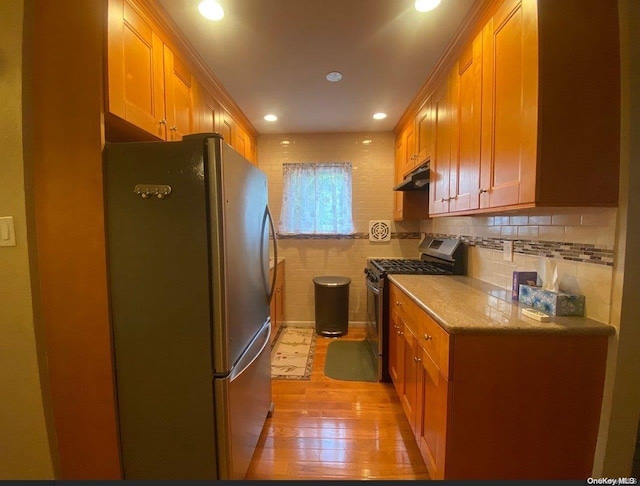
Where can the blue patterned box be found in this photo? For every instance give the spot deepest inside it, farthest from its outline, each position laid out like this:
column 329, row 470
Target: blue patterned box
column 554, row 303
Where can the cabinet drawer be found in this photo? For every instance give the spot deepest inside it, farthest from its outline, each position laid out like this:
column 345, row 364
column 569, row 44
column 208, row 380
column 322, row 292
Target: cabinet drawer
column 435, row 341
column 402, row 304
column 431, row 337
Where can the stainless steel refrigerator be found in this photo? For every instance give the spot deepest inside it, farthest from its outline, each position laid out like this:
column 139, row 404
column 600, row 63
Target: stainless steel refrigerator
column 188, row 255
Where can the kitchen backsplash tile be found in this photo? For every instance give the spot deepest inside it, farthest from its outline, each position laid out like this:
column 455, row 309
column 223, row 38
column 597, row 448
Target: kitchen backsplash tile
column 579, row 241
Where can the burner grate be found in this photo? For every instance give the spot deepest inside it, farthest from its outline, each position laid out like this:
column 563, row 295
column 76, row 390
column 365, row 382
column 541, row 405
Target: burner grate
column 407, row 266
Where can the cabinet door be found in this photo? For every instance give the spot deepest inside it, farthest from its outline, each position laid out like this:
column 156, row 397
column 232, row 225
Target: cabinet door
column 179, row 87
column 409, row 389
column 252, row 154
column 280, row 294
column 273, row 312
column 396, row 351
column 424, row 132
column 509, row 105
column 227, row 127
column 411, row 155
column 241, row 142
column 431, row 414
column 399, row 166
column 135, row 70
column 440, row 163
column 208, row 109
column 466, row 90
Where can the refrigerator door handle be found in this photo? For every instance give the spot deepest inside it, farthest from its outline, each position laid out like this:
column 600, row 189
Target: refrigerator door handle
column 250, row 354
column 275, row 254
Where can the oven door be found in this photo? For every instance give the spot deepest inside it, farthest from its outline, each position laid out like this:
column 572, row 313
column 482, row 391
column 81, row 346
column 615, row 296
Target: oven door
column 374, row 325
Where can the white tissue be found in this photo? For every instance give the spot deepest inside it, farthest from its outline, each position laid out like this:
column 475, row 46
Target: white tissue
column 550, row 279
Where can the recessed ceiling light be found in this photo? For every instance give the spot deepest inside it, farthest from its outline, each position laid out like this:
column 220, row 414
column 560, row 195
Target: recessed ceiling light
column 367, row 141
column 211, row 10
column 426, row 5
column 284, row 143
column 334, row 76
column 380, row 116
column 270, row 118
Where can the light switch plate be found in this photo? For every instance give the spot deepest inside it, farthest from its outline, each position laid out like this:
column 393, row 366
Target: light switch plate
column 507, row 250
column 7, row 232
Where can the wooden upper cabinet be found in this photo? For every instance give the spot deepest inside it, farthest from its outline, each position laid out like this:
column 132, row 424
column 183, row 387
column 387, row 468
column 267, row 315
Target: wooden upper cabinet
column 410, row 156
column 252, row 153
column 424, row 132
column 441, row 161
column 155, row 87
column 148, row 85
column 135, row 69
column 180, row 86
column 242, row 141
column 510, row 103
column 522, row 120
column 227, row 127
column 466, row 99
column 550, row 105
column 208, row 111
column 399, row 166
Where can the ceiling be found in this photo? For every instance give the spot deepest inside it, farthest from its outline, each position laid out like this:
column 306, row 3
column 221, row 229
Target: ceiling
column 272, row 57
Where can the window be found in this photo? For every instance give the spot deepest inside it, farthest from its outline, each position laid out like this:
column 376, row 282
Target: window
column 316, row 199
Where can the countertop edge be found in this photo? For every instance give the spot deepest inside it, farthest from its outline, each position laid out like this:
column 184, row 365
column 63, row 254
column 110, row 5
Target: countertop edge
column 591, row 327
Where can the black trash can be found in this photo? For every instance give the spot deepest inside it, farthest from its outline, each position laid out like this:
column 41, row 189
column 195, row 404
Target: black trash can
column 332, row 305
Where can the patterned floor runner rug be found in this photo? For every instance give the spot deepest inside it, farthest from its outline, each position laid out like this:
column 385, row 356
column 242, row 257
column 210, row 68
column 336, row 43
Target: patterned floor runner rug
column 292, row 353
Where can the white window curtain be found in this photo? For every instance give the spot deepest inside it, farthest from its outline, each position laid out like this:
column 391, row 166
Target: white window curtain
column 316, row 199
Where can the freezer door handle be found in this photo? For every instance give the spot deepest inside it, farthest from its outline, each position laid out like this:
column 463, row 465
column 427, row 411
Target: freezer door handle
column 275, row 253
column 253, row 352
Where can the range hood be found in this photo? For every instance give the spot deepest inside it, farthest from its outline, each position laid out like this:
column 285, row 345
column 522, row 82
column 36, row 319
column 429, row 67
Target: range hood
column 416, row 180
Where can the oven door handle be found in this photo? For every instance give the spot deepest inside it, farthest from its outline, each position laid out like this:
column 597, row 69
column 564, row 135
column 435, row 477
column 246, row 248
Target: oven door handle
column 375, row 290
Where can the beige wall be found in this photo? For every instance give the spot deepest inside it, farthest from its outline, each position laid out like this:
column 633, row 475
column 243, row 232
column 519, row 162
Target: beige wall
column 24, row 449
column 596, row 226
column 373, row 175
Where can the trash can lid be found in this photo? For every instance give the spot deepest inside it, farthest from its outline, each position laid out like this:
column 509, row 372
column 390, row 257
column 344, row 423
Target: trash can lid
column 331, row 281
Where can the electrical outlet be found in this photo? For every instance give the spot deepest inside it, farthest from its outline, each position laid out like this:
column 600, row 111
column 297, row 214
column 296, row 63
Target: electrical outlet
column 507, row 250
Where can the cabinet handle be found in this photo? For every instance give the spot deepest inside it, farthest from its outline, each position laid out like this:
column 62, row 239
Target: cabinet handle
column 428, row 337
column 398, row 302
column 163, row 122
column 452, row 197
column 173, row 128
column 416, row 359
column 482, row 191
column 444, row 199
column 400, row 333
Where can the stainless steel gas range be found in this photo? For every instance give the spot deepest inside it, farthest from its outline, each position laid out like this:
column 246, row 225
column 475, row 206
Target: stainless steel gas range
column 437, row 256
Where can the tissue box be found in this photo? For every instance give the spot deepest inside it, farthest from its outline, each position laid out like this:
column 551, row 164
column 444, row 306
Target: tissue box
column 529, row 278
column 555, row 303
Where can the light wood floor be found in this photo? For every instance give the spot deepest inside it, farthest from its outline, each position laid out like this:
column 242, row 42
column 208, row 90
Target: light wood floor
column 330, row 429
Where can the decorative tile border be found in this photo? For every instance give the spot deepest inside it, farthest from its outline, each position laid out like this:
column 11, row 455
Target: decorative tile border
column 578, row 252
column 354, row 236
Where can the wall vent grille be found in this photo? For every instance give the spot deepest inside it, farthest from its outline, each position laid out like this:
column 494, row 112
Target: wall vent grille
column 379, row 230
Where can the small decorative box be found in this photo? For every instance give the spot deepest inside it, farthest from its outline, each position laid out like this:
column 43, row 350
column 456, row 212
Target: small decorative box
column 529, row 278
column 555, row 303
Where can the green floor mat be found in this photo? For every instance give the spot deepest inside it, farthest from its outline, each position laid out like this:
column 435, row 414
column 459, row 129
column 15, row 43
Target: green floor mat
column 350, row 361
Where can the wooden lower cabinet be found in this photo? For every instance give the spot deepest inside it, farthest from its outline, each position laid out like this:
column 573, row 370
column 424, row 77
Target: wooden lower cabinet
column 496, row 405
column 277, row 301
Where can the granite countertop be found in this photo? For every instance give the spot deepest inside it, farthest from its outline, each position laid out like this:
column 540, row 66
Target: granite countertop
column 271, row 262
column 465, row 305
